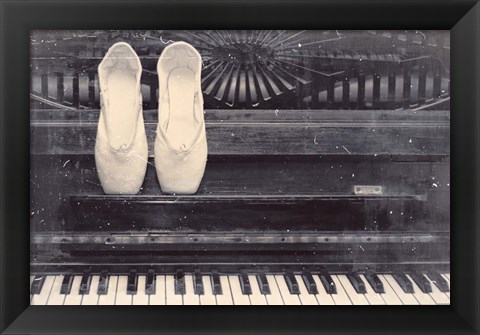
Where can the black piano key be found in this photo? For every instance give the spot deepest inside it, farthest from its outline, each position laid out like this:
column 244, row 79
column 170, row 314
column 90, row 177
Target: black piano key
column 85, row 283
column 245, row 284
column 198, row 284
column 292, row 283
column 357, row 283
column 309, row 283
column 66, row 284
column 328, row 283
column 103, row 283
column 375, row 282
column 403, row 282
column 180, row 283
column 37, row 284
column 132, row 282
column 263, row 283
column 150, row 282
column 438, row 280
column 421, row 281
column 217, row 287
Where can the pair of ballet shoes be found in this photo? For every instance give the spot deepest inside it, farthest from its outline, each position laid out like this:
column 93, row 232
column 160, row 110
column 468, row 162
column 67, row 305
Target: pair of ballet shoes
column 121, row 148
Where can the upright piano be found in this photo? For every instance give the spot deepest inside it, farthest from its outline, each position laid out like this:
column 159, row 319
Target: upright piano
column 327, row 180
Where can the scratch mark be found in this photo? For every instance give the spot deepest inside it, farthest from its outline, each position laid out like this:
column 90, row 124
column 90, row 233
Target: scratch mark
column 144, row 160
column 419, row 32
column 346, row 150
column 66, row 163
column 91, row 182
column 167, row 42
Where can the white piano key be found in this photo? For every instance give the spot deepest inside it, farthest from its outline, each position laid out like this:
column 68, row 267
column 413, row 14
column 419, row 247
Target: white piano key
column 422, row 298
column 159, row 297
column 208, row 298
column 448, row 282
column 275, row 298
column 406, row 298
column 30, row 287
column 356, row 298
column 190, row 298
column 305, row 297
column 109, row 298
column 74, row 298
column 390, row 297
column 323, row 297
column 226, row 297
column 42, row 298
column 122, row 297
column 341, row 298
column 238, row 297
column 92, row 297
column 373, row 297
column 438, row 296
column 288, row 299
column 256, row 298
column 141, row 298
column 171, row 297
column 56, row 298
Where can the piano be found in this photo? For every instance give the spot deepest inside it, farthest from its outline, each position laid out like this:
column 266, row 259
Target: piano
column 327, row 180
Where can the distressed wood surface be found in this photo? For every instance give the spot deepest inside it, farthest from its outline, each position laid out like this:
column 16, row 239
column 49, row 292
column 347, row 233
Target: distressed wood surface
column 253, row 193
column 278, row 133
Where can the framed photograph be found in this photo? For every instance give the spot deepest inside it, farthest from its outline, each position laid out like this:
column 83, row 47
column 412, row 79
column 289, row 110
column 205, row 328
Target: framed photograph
column 288, row 157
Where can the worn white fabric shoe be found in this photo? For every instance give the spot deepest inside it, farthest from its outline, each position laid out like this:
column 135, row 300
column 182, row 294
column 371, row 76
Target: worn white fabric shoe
column 121, row 149
column 181, row 142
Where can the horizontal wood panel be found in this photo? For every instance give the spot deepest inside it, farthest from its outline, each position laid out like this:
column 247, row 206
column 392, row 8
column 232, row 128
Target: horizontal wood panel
column 151, row 238
column 268, row 115
column 259, row 133
column 359, row 250
column 55, row 179
column 328, row 213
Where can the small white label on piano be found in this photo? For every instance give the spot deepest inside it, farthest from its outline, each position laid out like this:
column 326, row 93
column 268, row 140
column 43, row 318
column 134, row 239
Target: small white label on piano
column 367, row 190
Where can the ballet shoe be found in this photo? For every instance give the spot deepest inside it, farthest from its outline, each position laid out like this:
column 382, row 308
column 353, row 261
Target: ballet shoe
column 181, row 142
column 121, row 150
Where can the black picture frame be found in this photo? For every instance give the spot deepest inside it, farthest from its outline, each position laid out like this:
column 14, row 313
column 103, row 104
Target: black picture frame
column 17, row 18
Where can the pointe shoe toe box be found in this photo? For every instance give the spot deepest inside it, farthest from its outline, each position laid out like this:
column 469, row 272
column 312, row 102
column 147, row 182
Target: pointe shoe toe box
column 180, row 172
column 121, row 172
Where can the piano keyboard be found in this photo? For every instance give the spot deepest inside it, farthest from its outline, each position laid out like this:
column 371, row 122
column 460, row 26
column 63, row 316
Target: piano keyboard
column 181, row 288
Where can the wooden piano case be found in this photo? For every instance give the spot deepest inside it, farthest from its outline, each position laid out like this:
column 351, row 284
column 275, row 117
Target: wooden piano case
column 318, row 159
